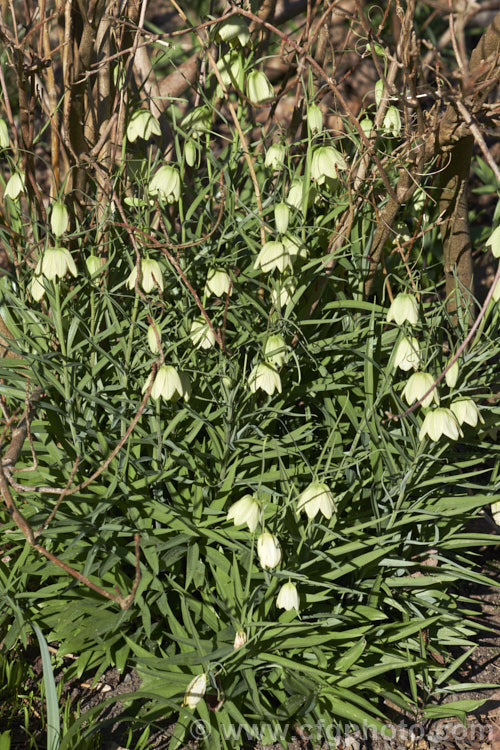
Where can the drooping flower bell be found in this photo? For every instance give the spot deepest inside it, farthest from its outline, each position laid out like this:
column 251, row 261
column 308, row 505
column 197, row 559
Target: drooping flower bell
column 288, row 597
column 417, row 385
column 259, row 88
column 197, row 121
column 315, row 119
column 142, row 125
column 283, row 295
column 404, row 309
column 493, row 241
column 275, row 156
column 407, row 354
column 195, row 690
column 218, row 282
column 316, row 498
column 239, row 639
column 392, row 121
column 94, row 264
column 466, row 411
column 166, row 184
column 151, row 276
column 169, row 384
column 451, row 376
column 201, row 334
column 154, row 338
column 231, row 71
column 56, row 262
column 14, row 186
column 273, row 255
column 268, row 550
column 234, row 30
column 281, row 217
column 438, row 422
column 379, row 91
column 276, row 350
column 245, row 511
column 265, row 377
column 325, row 163
column 4, row 135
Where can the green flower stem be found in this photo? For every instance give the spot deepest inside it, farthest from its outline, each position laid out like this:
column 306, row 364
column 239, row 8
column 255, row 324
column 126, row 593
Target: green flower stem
column 57, row 313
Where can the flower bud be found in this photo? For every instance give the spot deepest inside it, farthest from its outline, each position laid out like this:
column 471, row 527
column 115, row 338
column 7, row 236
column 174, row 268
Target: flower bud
column 366, row 125
column 288, row 597
column 201, row 334
column 326, row 161
column 259, row 88
column 494, row 242
column 273, row 255
column 265, row 377
column 234, row 30
column 465, row 410
column 190, row 153
column 59, row 218
column 315, row 119
column 240, row 639
column 245, row 511
column 392, row 121
column 14, row 186
column 438, row 422
column 195, row 690
column 154, row 338
column 281, row 217
column 218, row 282
column 4, row 135
column 268, row 550
column 166, row 183
column 315, row 498
column 404, row 308
column 276, row 350
column 142, row 125
column 451, row 376
column 275, row 156
column 407, row 354
column 417, row 385
column 379, row 91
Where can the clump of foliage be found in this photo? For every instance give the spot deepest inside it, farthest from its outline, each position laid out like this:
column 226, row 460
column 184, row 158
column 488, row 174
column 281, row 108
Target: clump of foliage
column 245, row 382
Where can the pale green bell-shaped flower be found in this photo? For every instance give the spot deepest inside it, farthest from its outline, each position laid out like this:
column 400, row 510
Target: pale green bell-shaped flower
column 197, row 121
column 282, row 296
column 59, row 218
column 316, row 498
column 218, row 282
column 288, row 597
column 294, row 247
column 493, row 241
column 417, row 385
column 151, row 276
column 94, row 264
column 56, row 262
column 154, row 338
column 407, row 354
column 404, row 309
column 14, row 186
column 4, row 135
column 392, row 121
column 281, row 217
column 496, row 292
column 231, row 71
column 495, row 512
column 451, row 376
column 245, row 511
column 325, row 163
column 275, row 156
column 235, row 31
column 315, row 119
column 266, row 378
column 276, row 350
column 195, row 690
column 190, row 153
column 142, row 125
column 466, row 411
column 379, row 91
column 268, row 550
column 37, row 288
column 259, row 88
column 366, row 125
column 438, row 422
column 169, row 384
column 201, row 334
column 166, row 184
column 273, row 255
